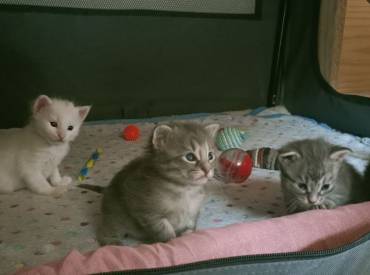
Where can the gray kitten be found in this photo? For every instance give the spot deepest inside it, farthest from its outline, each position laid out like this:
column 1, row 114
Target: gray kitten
column 367, row 178
column 314, row 175
column 157, row 196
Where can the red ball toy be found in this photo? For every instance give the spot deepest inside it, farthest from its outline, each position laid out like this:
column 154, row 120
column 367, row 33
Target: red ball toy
column 234, row 165
column 131, row 133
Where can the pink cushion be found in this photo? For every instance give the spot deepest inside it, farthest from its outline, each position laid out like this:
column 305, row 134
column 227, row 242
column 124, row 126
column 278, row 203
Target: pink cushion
column 312, row 230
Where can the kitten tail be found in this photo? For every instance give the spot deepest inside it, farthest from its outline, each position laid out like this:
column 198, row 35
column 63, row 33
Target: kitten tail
column 95, row 188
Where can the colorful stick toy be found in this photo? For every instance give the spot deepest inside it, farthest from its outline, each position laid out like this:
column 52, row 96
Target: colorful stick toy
column 89, row 164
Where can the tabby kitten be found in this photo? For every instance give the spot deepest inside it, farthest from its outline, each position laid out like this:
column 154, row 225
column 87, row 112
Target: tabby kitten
column 157, row 196
column 30, row 156
column 314, row 175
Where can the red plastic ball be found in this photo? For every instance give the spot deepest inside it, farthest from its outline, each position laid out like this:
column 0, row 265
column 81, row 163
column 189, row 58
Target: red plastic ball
column 234, row 165
column 131, row 133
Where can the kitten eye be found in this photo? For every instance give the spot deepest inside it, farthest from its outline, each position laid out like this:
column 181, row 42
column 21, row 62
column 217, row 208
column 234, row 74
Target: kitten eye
column 325, row 187
column 54, row 124
column 70, row 128
column 211, row 156
column 302, row 186
column 190, row 157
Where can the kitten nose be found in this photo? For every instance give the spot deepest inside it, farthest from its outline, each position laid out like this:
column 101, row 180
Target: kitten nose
column 61, row 136
column 209, row 174
column 207, row 170
column 312, row 198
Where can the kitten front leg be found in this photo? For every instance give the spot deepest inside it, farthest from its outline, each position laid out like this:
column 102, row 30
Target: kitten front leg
column 191, row 226
column 56, row 179
column 160, row 230
column 37, row 183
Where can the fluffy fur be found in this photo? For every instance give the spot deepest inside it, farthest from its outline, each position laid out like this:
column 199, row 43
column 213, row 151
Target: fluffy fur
column 157, row 196
column 30, row 156
column 314, row 175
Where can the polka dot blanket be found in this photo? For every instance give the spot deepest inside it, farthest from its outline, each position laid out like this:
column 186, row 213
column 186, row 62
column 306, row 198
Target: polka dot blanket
column 37, row 229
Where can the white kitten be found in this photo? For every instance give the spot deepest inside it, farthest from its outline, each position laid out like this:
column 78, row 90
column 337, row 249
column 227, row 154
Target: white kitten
column 30, row 156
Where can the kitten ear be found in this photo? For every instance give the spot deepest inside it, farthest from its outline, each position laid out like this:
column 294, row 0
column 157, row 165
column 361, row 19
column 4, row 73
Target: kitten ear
column 41, row 102
column 212, row 129
column 83, row 111
column 160, row 135
column 289, row 157
column 338, row 153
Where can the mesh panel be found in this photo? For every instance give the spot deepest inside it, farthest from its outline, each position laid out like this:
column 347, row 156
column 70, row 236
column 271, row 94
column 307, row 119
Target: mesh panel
column 354, row 261
column 198, row 6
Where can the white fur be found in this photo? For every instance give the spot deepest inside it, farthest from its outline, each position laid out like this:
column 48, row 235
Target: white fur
column 30, row 156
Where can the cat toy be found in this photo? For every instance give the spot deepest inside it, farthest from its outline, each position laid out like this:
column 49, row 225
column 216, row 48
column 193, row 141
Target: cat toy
column 235, row 165
column 265, row 158
column 90, row 163
column 131, row 133
column 230, row 137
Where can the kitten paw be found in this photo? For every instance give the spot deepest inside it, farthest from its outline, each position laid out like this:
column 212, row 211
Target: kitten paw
column 59, row 190
column 328, row 205
column 187, row 232
column 165, row 236
column 63, row 181
column 325, row 205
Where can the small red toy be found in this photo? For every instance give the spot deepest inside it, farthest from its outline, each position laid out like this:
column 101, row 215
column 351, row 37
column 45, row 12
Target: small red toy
column 234, row 165
column 131, row 133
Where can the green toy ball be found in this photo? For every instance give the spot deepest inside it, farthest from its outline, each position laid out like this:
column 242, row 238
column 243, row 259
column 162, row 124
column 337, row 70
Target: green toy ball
column 230, row 137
